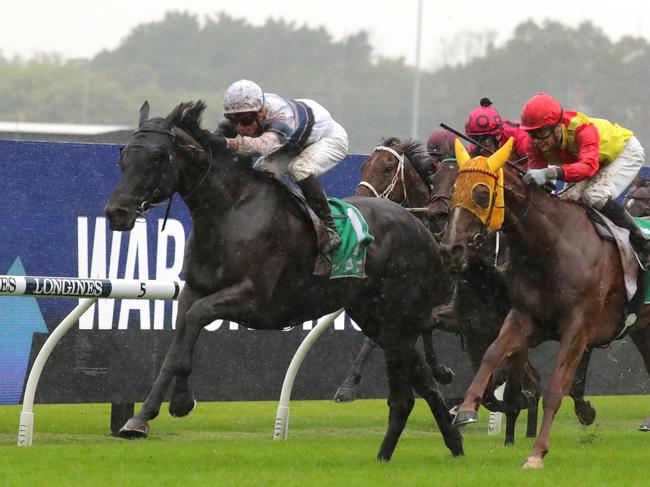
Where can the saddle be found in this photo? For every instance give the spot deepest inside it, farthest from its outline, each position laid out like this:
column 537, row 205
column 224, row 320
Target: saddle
column 636, row 283
column 350, row 258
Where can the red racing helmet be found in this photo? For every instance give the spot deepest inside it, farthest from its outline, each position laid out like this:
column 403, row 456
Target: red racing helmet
column 484, row 120
column 542, row 110
column 441, row 142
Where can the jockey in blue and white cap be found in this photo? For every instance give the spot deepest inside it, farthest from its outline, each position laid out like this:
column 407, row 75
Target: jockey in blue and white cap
column 298, row 137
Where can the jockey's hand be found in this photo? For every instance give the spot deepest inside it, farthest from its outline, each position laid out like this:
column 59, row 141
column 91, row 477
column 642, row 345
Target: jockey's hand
column 215, row 142
column 540, row 176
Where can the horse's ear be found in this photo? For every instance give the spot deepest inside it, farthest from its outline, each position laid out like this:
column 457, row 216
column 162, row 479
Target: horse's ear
column 144, row 113
column 497, row 160
column 461, row 153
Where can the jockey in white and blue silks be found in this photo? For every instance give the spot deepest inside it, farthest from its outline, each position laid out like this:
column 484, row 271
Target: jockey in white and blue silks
column 296, row 137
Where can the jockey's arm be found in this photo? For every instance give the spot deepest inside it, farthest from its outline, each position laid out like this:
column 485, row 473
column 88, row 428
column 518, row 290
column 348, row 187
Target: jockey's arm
column 587, row 160
column 263, row 145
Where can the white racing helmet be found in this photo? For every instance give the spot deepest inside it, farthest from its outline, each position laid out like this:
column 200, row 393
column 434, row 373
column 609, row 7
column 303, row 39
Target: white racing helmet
column 243, row 96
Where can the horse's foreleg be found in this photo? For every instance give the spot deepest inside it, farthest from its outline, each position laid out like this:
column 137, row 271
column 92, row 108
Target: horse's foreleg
column 428, row 390
column 192, row 317
column 572, row 347
column 347, row 389
column 584, row 410
column 137, row 426
column 399, row 368
column 441, row 372
column 511, row 339
column 533, row 383
column 513, row 396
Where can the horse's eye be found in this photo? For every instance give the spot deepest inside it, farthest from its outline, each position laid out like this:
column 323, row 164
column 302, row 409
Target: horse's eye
column 481, row 196
column 388, row 169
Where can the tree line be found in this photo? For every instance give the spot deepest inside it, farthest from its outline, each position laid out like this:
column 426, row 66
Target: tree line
column 183, row 58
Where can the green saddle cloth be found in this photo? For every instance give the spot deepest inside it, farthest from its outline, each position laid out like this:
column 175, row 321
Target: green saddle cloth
column 349, row 260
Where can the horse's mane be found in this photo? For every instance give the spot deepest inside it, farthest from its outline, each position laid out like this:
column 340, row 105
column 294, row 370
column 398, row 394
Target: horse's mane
column 412, row 150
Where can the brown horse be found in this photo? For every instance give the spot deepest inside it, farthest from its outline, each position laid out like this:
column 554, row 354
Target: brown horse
column 396, row 171
column 389, row 173
column 564, row 281
column 251, row 254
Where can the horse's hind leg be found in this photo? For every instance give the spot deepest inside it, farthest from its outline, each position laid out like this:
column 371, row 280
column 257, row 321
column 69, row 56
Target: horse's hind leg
column 427, row 388
column 584, row 410
column 347, row 389
column 641, row 339
column 399, row 367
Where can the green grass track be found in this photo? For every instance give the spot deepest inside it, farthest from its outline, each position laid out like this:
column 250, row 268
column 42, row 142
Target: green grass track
column 329, row 444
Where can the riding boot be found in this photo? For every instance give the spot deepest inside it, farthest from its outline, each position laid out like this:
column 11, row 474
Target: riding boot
column 316, row 199
column 620, row 217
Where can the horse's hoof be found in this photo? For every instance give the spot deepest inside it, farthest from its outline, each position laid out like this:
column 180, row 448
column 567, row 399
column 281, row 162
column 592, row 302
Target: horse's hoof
column 585, row 413
column 645, row 426
column 465, row 417
column 443, row 375
column 133, row 429
column 383, row 457
column 533, row 462
column 344, row 394
column 182, row 406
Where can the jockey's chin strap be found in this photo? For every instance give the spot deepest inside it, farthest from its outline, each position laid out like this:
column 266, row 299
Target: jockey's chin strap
column 399, row 175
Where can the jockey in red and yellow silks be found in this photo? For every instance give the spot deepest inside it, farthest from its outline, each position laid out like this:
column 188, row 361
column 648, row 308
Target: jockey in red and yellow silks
column 601, row 157
column 587, row 143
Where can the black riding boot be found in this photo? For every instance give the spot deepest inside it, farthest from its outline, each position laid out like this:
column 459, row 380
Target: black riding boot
column 619, row 216
column 316, row 199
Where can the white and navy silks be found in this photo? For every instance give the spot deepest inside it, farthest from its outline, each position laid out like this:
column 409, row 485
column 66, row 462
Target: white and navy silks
column 299, row 138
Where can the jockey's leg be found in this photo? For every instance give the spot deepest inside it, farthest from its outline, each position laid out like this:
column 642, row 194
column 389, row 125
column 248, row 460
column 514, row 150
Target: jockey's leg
column 316, row 199
column 620, row 217
column 314, row 160
column 609, row 183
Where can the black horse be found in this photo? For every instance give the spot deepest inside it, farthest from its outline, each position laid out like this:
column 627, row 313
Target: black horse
column 250, row 259
column 394, row 171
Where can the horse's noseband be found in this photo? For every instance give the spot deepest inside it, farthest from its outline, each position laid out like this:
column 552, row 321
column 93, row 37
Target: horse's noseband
column 399, row 175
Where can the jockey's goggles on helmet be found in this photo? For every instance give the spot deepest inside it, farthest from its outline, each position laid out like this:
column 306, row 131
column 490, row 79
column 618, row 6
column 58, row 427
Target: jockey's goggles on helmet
column 542, row 133
column 245, row 118
column 482, row 139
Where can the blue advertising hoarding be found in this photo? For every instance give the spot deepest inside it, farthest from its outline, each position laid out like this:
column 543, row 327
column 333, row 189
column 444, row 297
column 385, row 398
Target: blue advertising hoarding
column 52, row 224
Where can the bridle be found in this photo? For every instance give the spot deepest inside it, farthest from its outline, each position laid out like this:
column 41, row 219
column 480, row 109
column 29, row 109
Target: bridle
column 433, row 197
column 399, row 176
column 145, row 206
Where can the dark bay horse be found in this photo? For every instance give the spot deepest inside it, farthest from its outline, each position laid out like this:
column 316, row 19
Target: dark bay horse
column 251, row 253
column 564, row 281
column 394, row 171
column 476, row 315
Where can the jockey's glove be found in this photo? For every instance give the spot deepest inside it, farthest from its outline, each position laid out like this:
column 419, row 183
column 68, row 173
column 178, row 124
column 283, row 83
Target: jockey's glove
column 542, row 176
